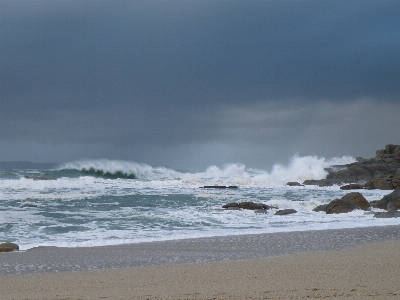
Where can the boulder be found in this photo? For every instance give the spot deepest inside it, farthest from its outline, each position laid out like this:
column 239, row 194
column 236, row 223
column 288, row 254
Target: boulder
column 389, row 202
column 380, row 184
column 283, row 212
column 339, row 206
column 357, row 199
column 8, row 247
column 395, row 182
column 347, row 203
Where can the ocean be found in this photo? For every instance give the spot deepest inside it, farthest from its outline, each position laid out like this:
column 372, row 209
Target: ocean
column 111, row 202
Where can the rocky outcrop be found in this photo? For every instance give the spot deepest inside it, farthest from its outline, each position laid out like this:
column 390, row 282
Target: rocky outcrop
column 381, row 172
column 8, row 247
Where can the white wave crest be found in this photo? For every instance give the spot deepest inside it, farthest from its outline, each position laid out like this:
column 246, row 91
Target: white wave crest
column 109, row 166
column 298, row 169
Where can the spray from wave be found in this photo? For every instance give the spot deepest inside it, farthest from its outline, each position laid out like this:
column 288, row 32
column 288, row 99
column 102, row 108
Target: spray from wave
column 298, row 169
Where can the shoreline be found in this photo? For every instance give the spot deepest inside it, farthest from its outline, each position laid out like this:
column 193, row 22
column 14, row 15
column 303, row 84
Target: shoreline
column 193, row 250
column 363, row 271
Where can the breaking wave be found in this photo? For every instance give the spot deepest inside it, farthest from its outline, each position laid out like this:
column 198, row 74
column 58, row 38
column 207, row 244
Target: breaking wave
column 298, row 169
column 109, row 169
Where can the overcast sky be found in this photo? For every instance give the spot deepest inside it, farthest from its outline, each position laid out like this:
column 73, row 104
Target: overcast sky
column 189, row 84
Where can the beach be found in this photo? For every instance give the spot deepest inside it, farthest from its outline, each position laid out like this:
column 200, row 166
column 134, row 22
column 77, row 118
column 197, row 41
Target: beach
column 357, row 263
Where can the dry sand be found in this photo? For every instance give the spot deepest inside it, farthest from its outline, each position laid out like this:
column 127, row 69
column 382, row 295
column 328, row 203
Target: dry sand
column 367, row 271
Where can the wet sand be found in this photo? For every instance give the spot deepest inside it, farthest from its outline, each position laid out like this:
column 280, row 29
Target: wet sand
column 341, row 264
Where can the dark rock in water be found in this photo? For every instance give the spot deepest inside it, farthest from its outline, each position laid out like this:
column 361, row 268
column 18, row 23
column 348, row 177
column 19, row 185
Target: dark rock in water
column 219, row 187
column 294, row 183
column 352, row 186
column 246, row 205
column 389, row 202
column 231, row 205
column 347, row 203
column 339, row 206
column 252, row 205
column 8, row 247
column 321, row 208
column 394, row 214
column 385, row 163
column 321, row 182
column 283, row 212
column 357, row 199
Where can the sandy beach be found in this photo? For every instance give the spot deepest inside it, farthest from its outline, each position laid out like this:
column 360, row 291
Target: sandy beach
column 368, row 269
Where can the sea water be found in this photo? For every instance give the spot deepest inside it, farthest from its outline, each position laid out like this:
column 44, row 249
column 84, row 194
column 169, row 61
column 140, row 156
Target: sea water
column 109, row 202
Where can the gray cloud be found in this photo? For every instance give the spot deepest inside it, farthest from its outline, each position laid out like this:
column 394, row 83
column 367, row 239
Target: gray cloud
column 160, row 80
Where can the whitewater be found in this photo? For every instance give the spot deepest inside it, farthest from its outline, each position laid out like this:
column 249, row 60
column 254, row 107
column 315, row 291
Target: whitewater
column 110, row 202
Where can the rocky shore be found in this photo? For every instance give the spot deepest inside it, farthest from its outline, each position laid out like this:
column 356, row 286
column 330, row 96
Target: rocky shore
column 381, row 172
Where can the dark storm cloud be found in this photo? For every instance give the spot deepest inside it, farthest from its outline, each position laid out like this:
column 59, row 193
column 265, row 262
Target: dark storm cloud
column 170, row 73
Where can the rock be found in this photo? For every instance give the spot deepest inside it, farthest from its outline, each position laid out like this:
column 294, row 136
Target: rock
column 8, row 247
column 380, row 184
column 285, row 212
column 395, row 181
column 321, row 182
column 231, row 205
column 395, row 214
column 339, row 206
column 352, row 186
column 357, row 199
column 321, row 208
column 246, row 205
column 393, row 198
column 347, row 203
column 390, row 151
column 253, row 206
column 374, row 203
column 385, row 163
column 294, row 183
column 219, row 187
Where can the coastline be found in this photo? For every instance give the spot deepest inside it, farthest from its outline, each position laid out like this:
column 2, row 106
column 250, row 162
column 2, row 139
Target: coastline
column 363, row 271
column 193, row 250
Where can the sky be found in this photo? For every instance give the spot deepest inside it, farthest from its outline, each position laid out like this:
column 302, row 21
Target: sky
column 189, row 84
